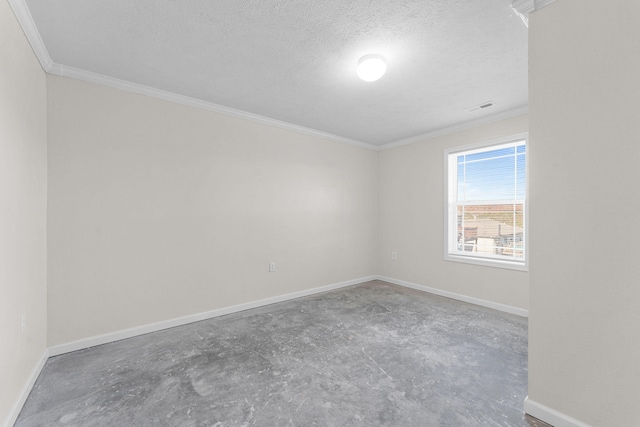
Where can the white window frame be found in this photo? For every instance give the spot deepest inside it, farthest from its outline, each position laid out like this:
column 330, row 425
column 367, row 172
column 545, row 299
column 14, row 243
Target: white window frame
column 451, row 216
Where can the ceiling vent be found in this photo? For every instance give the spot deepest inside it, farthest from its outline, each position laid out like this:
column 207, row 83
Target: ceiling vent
column 480, row 107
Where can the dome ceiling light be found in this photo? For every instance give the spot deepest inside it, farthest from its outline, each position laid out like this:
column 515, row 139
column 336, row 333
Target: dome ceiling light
column 371, row 67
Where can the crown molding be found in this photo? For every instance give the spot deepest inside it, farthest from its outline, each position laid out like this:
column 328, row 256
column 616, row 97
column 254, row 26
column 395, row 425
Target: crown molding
column 23, row 14
column 458, row 127
column 525, row 7
column 91, row 77
column 542, row 3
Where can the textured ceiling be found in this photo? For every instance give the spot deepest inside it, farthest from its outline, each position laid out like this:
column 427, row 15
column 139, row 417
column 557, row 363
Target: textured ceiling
column 294, row 61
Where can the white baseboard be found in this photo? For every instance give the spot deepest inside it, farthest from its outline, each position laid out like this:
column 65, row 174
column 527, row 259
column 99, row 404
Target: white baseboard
column 154, row 327
column 17, row 406
column 477, row 301
column 549, row 415
column 171, row 323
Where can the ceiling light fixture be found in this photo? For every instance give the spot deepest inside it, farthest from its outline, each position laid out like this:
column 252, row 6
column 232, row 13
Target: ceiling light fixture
column 371, row 67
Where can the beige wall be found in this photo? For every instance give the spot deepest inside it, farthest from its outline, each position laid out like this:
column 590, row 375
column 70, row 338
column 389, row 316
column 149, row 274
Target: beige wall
column 584, row 355
column 23, row 189
column 159, row 210
column 411, row 220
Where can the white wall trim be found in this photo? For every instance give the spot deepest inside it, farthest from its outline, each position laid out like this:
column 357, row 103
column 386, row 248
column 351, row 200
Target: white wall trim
column 549, row 415
column 23, row 14
column 525, row 7
column 472, row 300
column 543, row 3
column 88, row 76
column 21, row 10
column 19, row 403
column 536, row 410
column 171, row 323
column 458, row 127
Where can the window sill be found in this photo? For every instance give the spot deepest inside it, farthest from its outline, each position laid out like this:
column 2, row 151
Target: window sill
column 487, row 262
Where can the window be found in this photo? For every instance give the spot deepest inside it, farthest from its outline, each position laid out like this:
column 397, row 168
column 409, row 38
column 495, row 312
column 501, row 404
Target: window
column 486, row 203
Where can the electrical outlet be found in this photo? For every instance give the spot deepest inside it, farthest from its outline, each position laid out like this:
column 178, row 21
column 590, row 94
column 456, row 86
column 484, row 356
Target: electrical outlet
column 394, row 255
column 23, row 321
column 272, row 267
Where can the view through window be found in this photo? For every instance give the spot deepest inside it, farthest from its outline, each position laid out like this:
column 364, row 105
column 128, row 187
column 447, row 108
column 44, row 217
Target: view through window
column 486, row 218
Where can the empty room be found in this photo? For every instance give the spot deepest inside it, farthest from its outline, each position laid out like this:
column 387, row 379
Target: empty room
column 280, row 213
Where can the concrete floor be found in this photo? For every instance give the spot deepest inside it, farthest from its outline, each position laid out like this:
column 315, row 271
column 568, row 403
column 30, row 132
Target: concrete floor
column 369, row 355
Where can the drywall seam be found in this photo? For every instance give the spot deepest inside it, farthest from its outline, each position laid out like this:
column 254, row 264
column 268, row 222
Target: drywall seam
column 154, row 327
column 17, row 406
column 549, row 415
column 464, row 298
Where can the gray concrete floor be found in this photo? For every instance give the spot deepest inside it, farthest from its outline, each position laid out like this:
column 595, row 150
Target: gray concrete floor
column 369, row 355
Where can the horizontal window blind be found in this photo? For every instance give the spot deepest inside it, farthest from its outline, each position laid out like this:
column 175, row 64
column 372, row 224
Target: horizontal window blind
column 487, row 202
